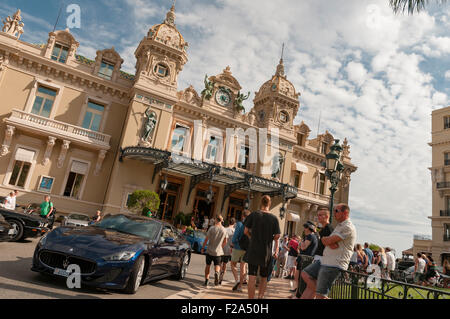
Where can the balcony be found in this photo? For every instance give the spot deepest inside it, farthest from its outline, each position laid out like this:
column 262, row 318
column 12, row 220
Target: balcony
column 314, row 197
column 443, row 185
column 64, row 131
column 444, row 213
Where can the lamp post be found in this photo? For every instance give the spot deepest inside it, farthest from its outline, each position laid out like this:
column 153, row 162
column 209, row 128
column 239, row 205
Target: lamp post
column 334, row 169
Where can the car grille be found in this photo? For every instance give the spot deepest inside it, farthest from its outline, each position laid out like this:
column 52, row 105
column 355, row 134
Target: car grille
column 56, row 260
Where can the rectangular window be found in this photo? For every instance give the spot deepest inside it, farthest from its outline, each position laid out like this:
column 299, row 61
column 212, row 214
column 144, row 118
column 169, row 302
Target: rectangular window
column 212, row 149
column 447, row 158
column 446, row 232
column 300, row 139
column 244, row 157
column 43, row 103
column 106, row 70
column 75, row 179
column 60, row 53
column 93, row 116
column 20, row 173
column 297, row 179
column 322, row 184
column 446, row 122
column 324, row 148
column 178, row 138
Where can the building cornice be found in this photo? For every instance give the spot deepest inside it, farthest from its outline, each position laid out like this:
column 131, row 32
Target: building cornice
column 47, row 67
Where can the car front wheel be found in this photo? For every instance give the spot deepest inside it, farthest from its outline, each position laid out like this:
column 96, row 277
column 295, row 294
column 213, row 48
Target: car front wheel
column 136, row 276
column 18, row 230
column 183, row 267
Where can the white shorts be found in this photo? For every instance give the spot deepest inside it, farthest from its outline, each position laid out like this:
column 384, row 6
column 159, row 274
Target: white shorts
column 291, row 262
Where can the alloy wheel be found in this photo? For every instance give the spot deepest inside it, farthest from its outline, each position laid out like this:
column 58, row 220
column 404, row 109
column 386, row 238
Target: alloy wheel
column 139, row 276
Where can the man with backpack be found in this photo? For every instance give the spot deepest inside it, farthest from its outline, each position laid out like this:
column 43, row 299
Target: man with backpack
column 239, row 244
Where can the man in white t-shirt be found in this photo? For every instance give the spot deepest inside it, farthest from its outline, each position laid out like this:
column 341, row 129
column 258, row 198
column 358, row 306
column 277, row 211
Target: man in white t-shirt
column 338, row 251
column 390, row 261
column 9, row 201
column 13, row 199
column 419, row 268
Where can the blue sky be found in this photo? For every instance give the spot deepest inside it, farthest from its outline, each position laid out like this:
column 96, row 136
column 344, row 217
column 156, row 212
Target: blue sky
column 374, row 76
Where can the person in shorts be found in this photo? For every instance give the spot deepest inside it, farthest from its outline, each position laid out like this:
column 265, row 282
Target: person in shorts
column 336, row 256
column 237, row 253
column 216, row 238
column 226, row 258
column 263, row 229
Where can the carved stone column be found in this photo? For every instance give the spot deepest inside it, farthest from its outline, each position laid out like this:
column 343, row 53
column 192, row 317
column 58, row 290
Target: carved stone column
column 62, row 154
column 100, row 158
column 48, row 152
column 9, row 132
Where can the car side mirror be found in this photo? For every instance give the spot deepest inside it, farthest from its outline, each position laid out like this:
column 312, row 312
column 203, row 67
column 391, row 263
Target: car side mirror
column 169, row 240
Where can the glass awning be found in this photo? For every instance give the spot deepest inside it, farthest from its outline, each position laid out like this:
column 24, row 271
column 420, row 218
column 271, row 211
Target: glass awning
column 201, row 171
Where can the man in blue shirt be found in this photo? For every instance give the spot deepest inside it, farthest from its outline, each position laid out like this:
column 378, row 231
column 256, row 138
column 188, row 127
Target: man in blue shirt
column 237, row 253
column 368, row 252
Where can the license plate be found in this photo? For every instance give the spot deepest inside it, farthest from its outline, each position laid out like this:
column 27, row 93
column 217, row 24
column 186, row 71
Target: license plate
column 11, row 232
column 61, row 272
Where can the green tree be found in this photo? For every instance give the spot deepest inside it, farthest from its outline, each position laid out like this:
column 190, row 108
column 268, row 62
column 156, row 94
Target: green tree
column 143, row 202
column 410, row 5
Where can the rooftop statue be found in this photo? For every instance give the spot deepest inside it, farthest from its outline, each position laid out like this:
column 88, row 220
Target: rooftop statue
column 209, row 88
column 239, row 99
column 13, row 25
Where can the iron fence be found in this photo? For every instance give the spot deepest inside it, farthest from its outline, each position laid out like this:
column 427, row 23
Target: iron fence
column 353, row 285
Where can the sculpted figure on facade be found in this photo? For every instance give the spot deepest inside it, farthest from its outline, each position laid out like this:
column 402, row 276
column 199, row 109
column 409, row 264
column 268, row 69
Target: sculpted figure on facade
column 209, row 88
column 240, row 98
column 150, row 124
column 13, row 25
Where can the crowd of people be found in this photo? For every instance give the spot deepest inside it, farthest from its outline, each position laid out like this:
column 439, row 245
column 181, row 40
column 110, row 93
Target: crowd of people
column 255, row 243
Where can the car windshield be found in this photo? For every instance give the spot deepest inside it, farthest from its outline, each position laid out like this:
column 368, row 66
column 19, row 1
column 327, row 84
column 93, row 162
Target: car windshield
column 200, row 234
column 135, row 226
column 79, row 217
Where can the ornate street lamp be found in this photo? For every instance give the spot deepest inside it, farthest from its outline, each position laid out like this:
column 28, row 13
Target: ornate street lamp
column 247, row 201
column 164, row 183
column 334, row 169
column 209, row 195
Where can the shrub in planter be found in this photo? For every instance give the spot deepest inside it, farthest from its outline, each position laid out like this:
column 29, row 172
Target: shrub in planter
column 144, row 202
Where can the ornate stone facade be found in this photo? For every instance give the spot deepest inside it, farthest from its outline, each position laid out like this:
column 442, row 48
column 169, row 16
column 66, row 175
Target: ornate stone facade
column 97, row 111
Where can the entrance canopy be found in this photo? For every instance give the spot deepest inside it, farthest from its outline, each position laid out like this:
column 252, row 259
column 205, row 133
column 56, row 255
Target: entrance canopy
column 201, row 171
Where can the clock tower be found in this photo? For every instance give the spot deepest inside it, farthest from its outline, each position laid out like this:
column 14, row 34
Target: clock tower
column 276, row 103
column 160, row 57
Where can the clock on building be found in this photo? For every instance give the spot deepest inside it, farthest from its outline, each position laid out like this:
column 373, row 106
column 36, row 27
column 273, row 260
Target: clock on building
column 223, row 97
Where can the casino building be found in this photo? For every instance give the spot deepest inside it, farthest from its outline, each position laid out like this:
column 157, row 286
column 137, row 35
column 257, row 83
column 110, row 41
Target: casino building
column 89, row 134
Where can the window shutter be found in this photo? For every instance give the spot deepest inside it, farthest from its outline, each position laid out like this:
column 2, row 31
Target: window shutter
column 79, row 167
column 24, row 155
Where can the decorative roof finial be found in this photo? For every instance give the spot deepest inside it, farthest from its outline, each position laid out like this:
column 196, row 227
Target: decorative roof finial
column 280, row 67
column 170, row 16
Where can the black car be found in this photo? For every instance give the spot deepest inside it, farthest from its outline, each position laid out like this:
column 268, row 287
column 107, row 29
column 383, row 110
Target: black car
column 24, row 225
column 5, row 229
column 119, row 252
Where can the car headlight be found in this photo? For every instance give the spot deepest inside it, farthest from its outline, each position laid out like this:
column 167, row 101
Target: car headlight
column 122, row 256
column 43, row 240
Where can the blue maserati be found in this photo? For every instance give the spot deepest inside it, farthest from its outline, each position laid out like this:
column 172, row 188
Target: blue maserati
column 119, row 252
